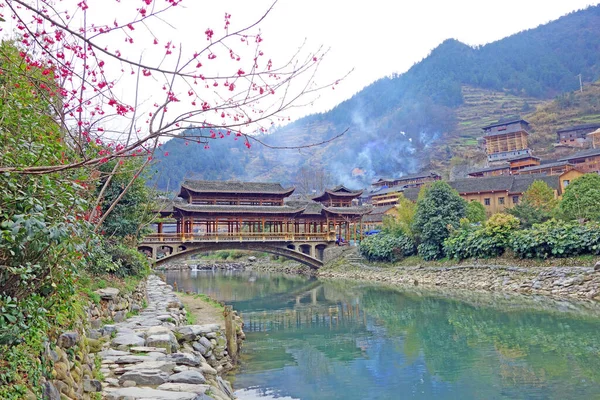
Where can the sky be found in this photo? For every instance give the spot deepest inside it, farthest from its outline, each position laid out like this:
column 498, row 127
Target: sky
column 373, row 38
column 376, row 38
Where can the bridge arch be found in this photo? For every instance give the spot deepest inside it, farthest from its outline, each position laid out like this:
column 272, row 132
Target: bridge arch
column 280, row 250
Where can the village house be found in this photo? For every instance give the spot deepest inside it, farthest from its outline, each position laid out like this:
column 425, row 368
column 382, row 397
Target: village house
column 585, row 161
column 384, row 192
column 374, row 220
column 499, row 193
column 576, row 136
column 506, row 140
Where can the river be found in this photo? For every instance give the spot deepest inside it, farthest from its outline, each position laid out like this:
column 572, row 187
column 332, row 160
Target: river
column 312, row 339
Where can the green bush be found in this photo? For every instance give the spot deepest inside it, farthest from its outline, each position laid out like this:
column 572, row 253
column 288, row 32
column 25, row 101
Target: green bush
column 129, row 261
column 490, row 240
column 386, row 247
column 582, row 198
column 476, row 212
column 556, row 239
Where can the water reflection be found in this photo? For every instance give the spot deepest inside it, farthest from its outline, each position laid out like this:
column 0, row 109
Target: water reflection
column 308, row 339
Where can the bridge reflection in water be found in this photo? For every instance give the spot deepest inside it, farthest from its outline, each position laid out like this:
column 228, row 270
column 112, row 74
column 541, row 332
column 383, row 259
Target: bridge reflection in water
column 314, row 317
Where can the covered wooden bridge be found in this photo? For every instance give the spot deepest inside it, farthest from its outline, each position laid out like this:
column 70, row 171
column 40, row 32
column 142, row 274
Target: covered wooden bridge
column 215, row 215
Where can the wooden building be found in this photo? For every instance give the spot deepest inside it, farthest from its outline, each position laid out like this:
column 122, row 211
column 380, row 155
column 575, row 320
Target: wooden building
column 576, row 136
column 413, row 180
column 385, row 191
column 374, row 220
column 506, row 140
column 549, row 168
column 585, row 161
column 244, row 209
column 502, row 192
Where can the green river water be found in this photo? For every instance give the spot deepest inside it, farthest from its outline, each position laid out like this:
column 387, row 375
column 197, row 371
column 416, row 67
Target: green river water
column 313, row 339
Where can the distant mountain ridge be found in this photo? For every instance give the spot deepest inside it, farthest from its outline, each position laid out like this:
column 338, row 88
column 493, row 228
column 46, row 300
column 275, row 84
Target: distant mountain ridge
column 416, row 120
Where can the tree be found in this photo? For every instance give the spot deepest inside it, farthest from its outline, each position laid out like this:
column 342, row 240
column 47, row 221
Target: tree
column 540, row 196
column 439, row 210
column 402, row 222
column 101, row 72
column 132, row 206
column 476, row 212
column 581, row 199
column 536, row 206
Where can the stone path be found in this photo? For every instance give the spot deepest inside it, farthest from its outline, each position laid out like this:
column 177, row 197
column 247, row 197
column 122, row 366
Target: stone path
column 154, row 356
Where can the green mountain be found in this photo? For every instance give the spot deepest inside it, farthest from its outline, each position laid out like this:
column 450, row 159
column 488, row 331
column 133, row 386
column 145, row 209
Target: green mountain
column 428, row 117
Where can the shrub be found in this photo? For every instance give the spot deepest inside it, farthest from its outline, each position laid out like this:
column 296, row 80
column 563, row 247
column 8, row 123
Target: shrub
column 129, row 262
column 582, row 198
column 490, row 240
column 557, row 239
column 386, row 247
column 475, row 212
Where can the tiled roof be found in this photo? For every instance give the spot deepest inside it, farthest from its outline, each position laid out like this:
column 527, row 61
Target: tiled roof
column 340, row 191
column 578, row 127
column 489, row 169
column 164, row 205
column 310, row 207
column 489, row 184
column 508, row 183
column 377, row 213
column 213, row 209
column 547, row 165
column 348, row 210
column 418, row 175
column 507, row 122
column 411, row 194
column 581, row 154
column 235, row 187
column 522, row 182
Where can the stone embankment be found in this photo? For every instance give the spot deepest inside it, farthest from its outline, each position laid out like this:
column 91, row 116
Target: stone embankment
column 573, row 282
column 154, row 355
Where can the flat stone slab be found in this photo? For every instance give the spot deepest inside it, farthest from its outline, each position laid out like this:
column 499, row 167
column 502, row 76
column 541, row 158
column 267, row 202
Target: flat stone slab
column 189, row 333
column 131, row 359
column 128, row 340
column 165, row 366
column 113, row 353
column 182, row 359
column 147, row 393
column 145, row 376
column 184, row 387
column 146, row 349
column 193, row 377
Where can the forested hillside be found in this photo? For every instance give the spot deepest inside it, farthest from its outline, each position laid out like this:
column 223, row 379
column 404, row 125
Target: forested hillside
column 424, row 118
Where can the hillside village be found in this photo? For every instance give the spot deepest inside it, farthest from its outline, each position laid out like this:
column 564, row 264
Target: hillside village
column 511, row 170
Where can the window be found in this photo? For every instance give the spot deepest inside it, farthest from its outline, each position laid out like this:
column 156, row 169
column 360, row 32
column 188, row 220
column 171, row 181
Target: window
column 500, row 200
column 515, row 199
column 487, row 202
column 566, row 182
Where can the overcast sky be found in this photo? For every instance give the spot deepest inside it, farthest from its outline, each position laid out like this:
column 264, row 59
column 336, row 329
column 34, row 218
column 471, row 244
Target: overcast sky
column 380, row 37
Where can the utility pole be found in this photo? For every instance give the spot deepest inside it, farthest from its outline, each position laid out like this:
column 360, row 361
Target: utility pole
column 580, row 83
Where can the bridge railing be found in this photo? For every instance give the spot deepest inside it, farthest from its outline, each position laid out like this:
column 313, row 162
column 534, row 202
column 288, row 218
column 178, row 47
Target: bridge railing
column 239, row 237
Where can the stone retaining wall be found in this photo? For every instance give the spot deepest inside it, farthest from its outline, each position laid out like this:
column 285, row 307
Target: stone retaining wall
column 72, row 354
column 575, row 282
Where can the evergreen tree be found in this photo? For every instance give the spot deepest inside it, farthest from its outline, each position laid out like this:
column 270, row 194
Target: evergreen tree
column 439, row 210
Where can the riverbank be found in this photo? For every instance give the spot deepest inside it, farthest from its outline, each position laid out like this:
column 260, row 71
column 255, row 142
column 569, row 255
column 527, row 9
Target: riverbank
column 157, row 355
column 559, row 278
column 582, row 282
